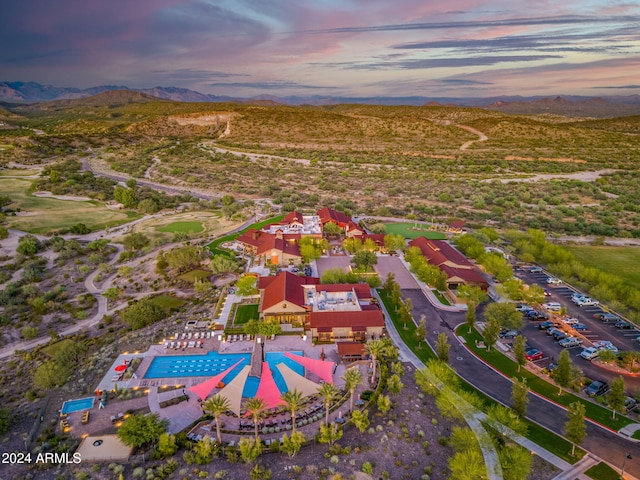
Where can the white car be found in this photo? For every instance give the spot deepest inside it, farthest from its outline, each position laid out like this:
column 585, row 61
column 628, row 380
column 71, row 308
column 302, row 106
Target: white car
column 571, row 321
column 605, row 345
column 553, row 281
column 570, row 342
column 588, row 302
column 577, row 297
column 589, row 353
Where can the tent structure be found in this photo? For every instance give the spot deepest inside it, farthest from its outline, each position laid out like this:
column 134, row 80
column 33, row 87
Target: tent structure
column 233, row 390
column 267, row 389
column 203, row 389
column 295, row 381
column 321, row 368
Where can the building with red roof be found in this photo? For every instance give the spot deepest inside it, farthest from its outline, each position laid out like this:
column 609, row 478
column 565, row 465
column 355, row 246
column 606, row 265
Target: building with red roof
column 277, row 249
column 327, row 311
column 459, row 270
column 346, row 223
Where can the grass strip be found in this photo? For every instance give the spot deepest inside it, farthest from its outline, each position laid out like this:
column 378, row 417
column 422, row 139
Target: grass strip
column 247, row 312
column 602, row 471
column 548, row 390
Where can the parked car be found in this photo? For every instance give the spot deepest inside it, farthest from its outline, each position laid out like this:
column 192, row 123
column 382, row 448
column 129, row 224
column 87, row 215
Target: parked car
column 549, row 324
column 523, row 307
column 623, row 325
column 588, row 302
column 547, row 293
column 570, row 321
column 605, row 345
column 533, row 355
column 630, row 404
column 535, row 270
column 608, row 317
column 551, row 367
column 553, row 281
column 579, row 327
column 570, row 342
column 577, row 297
column 506, row 334
column 597, row 388
column 558, row 335
column 552, row 330
column 552, row 307
column 589, row 353
column 536, row 315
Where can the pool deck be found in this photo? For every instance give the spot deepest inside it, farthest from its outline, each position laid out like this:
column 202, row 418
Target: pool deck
column 185, row 414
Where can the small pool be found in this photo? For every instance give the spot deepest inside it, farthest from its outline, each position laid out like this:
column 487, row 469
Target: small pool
column 77, row 405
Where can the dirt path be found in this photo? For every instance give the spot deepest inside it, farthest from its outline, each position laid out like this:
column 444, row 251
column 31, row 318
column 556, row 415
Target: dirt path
column 482, row 136
column 591, row 176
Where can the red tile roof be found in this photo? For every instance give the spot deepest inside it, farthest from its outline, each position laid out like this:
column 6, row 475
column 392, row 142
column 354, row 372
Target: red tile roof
column 364, row 318
column 467, row 275
column 377, row 238
column 284, row 287
column 264, row 242
column 327, row 215
column 292, row 217
column 439, row 252
column 350, row 348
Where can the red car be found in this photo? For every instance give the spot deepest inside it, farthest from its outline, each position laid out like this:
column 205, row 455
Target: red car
column 533, row 355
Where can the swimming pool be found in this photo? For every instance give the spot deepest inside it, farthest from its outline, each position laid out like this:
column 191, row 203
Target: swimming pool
column 214, row 363
column 77, row 405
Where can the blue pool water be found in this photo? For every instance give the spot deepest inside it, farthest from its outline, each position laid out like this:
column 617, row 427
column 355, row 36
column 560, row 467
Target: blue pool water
column 71, row 406
column 214, row 363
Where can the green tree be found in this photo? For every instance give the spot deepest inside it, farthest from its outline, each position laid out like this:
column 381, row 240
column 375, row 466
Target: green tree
column 519, row 352
column 138, row 430
column 183, row 258
column 491, row 332
column 496, row 265
column 51, row 374
column 472, row 296
column 352, row 378
column 216, row 406
column 125, row 196
column 520, row 396
column 112, row 293
column 166, row 445
column 376, row 350
column 222, row 264
column 393, row 243
column 328, row 392
column 4, row 233
column 575, row 428
column 616, row 397
column 364, row 260
column 256, row 407
column 135, row 241
column 143, row 313
column 384, row 404
column 360, row 419
column 250, row 449
column 394, row 384
column 467, row 465
column 227, row 200
column 505, row 314
column 421, row 331
column 294, row 400
column 330, row 433
column 203, row 450
column 516, row 462
column 405, row 312
column 442, row 347
column 246, row 285
column 148, row 206
column 292, row 445
column 562, row 374
column 332, row 229
column 469, row 245
column 5, row 420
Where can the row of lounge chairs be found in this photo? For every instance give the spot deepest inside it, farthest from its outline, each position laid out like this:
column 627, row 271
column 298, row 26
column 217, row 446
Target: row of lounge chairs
column 238, row 338
column 183, row 345
column 194, row 336
column 85, row 417
column 117, row 418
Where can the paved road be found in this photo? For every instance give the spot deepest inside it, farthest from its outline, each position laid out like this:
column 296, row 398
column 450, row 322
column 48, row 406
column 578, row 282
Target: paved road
column 600, row 441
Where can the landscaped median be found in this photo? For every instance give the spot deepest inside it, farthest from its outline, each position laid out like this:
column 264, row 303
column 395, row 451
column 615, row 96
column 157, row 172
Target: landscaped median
column 536, row 433
column 509, row 368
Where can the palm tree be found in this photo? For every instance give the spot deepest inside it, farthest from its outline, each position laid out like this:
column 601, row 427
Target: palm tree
column 352, row 378
column 328, row 392
column 294, row 400
column 375, row 348
column 216, row 406
column 256, row 407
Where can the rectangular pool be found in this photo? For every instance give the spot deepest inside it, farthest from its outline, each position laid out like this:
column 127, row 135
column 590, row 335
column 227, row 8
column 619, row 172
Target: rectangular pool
column 77, row 405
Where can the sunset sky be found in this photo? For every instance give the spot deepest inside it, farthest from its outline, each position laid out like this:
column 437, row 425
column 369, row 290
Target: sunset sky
column 455, row 48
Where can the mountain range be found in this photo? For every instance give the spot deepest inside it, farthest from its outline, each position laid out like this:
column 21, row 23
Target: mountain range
column 569, row 105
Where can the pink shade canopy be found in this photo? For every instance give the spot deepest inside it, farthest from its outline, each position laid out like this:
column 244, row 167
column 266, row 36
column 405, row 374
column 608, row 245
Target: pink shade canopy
column 321, row 368
column 205, row 388
column 267, row 389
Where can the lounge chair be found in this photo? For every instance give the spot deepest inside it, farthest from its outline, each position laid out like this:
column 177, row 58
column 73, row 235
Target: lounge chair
column 231, row 444
column 85, row 417
column 113, row 419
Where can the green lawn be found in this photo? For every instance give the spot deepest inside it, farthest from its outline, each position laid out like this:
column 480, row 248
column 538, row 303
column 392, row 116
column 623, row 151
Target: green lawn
column 413, row 230
column 602, row 471
column 16, row 172
column 182, row 227
column 623, row 262
column 246, row 312
column 52, row 349
column 537, row 384
column 195, row 275
column 213, row 246
column 167, row 302
column 42, row 215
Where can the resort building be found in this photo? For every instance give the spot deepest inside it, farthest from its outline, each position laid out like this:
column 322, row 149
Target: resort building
column 346, row 223
column 459, row 270
column 274, row 248
column 328, row 312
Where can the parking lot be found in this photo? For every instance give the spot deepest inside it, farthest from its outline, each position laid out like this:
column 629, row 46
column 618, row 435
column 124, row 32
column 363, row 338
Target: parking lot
column 595, row 329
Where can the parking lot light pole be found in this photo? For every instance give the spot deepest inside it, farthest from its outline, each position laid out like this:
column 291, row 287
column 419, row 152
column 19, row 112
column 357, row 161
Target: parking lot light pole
column 624, row 464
